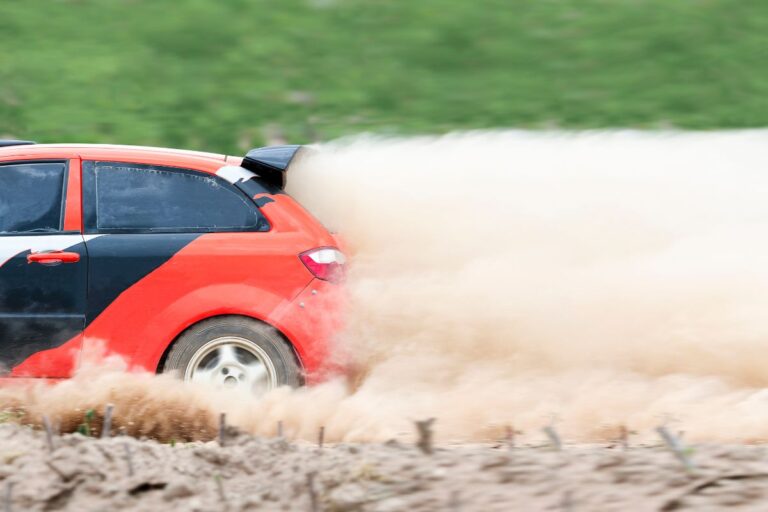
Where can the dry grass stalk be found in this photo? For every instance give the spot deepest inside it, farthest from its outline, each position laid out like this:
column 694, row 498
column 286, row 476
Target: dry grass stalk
column 314, row 505
column 554, row 437
column 220, row 488
column 676, row 447
column 222, row 428
column 424, row 429
column 128, row 458
column 48, row 432
column 106, row 428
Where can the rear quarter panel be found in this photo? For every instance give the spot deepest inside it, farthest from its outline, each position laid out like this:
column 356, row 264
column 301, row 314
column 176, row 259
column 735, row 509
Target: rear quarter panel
column 251, row 274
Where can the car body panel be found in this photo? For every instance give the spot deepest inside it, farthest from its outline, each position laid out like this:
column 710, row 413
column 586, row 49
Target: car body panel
column 145, row 289
column 73, row 206
column 41, row 307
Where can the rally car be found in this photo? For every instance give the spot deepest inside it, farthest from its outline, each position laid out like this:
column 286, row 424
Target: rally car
column 177, row 261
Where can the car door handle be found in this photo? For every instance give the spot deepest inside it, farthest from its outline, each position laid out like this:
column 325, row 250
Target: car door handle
column 53, row 258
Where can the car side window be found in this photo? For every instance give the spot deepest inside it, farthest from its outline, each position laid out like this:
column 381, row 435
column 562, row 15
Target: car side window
column 137, row 198
column 31, row 197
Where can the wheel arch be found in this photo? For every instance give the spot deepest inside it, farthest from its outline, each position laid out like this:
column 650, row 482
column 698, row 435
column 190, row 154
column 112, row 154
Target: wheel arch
column 169, row 345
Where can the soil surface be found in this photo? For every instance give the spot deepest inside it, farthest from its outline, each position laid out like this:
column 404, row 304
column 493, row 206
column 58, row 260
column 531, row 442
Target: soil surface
column 249, row 473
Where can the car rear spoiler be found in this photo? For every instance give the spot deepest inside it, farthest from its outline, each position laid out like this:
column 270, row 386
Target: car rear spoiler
column 271, row 163
column 8, row 143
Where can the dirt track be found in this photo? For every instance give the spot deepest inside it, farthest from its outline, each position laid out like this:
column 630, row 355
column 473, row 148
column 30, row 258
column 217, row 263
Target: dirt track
column 273, row 474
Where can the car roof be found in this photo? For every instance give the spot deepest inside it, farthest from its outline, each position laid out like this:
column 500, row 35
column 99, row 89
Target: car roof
column 108, row 152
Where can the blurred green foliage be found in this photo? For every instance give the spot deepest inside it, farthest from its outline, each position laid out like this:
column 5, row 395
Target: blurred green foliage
column 224, row 75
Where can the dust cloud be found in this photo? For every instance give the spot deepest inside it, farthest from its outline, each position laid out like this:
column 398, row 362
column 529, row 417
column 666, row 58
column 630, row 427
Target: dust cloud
column 514, row 278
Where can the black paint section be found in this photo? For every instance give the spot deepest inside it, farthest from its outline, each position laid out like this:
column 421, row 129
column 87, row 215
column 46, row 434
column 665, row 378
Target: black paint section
column 261, row 201
column 41, row 307
column 256, row 185
column 25, row 336
column 117, row 262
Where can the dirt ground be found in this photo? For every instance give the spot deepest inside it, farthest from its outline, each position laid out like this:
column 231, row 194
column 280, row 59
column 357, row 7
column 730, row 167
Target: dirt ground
column 250, row 473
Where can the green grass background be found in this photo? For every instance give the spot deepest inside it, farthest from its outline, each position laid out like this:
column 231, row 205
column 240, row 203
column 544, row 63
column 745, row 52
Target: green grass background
column 229, row 74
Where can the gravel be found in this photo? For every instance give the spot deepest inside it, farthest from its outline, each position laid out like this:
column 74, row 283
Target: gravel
column 251, row 473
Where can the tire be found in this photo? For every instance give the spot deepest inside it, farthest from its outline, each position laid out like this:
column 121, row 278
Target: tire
column 234, row 352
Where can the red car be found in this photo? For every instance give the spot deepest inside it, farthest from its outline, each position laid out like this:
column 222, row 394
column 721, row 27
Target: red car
column 178, row 261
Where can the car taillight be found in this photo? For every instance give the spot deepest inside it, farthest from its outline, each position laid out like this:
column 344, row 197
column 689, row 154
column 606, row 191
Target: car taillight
column 326, row 263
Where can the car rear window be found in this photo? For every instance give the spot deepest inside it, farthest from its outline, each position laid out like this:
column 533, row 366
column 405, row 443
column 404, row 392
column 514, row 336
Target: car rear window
column 124, row 198
column 31, row 197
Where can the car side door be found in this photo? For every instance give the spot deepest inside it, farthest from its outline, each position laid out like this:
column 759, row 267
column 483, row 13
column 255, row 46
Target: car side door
column 43, row 270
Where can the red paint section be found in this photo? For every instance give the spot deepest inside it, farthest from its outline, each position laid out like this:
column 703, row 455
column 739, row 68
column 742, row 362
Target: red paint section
column 252, row 274
column 311, row 322
column 59, row 362
column 74, row 205
column 206, row 162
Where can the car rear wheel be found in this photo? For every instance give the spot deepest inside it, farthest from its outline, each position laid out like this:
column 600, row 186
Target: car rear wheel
column 234, row 353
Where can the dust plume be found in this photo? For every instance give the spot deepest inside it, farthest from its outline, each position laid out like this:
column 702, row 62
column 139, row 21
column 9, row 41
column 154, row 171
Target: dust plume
column 513, row 278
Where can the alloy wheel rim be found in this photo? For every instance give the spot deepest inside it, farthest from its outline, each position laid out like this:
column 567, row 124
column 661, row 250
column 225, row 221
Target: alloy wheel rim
column 231, row 362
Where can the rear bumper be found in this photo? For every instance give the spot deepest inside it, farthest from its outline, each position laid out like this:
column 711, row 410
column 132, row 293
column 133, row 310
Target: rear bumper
column 312, row 322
